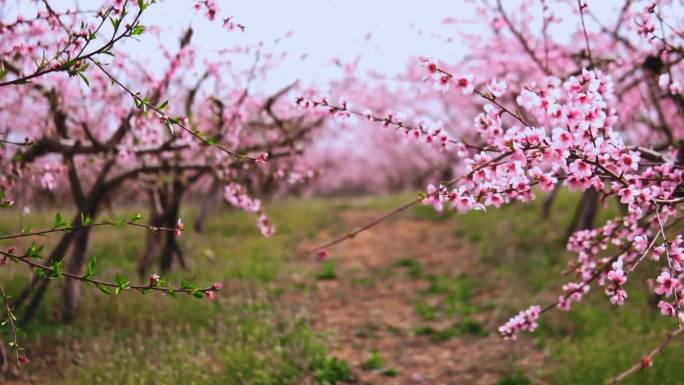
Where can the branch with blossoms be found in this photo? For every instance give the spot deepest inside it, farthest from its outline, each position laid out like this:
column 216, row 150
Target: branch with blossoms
column 143, row 103
column 535, row 141
column 211, row 10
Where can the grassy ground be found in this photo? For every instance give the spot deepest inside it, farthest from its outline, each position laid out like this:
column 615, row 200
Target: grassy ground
column 269, row 325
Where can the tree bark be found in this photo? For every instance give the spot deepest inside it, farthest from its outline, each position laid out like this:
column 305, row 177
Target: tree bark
column 71, row 290
column 153, row 241
column 171, row 247
column 585, row 213
column 208, row 205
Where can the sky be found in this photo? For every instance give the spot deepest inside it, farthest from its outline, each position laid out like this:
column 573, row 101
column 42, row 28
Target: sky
column 382, row 34
column 324, row 30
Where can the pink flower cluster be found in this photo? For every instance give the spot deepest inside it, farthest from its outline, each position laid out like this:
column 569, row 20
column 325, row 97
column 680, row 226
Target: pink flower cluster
column 236, row 195
column 432, row 134
column 525, row 320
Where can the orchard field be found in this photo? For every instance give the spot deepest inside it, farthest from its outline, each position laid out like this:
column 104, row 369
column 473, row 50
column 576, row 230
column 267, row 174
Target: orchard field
column 415, row 301
column 262, row 192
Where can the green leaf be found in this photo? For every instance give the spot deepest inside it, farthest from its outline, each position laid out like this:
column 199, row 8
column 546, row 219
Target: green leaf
column 170, row 127
column 115, row 22
column 122, row 283
column 34, row 251
column 163, row 105
column 57, row 268
column 137, row 30
column 136, row 218
column 90, row 269
column 187, row 285
column 85, row 220
column 84, row 78
column 104, row 289
column 59, row 222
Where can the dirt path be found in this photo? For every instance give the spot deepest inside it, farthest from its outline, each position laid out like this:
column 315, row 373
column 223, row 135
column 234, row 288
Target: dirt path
column 389, row 297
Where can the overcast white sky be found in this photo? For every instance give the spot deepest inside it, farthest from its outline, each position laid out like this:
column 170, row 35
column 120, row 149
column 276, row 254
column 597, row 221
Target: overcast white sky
column 326, row 29
column 323, row 30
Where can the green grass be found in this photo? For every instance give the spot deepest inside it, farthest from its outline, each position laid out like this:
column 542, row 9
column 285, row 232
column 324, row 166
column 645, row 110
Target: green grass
column 327, row 271
column 463, row 328
column 245, row 336
column 413, row 267
column 515, row 378
column 374, row 361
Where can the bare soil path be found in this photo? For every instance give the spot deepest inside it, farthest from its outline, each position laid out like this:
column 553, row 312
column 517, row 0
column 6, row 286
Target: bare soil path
column 387, row 299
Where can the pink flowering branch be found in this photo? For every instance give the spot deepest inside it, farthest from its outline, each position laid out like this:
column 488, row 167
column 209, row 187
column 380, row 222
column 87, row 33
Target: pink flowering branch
column 391, row 121
column 170, row 122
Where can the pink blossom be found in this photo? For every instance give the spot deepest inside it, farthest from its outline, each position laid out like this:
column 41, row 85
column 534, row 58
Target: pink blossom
column 525, row 320
column 465, row 83
column 666, row 308
column 617, row 276
column 261, row 159
column 154, row 280
column 640, row 243
column 497, row 88
column 666, row 284
column 433, row 197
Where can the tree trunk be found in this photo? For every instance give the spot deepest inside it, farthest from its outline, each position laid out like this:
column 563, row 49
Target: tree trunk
column 71, row 291
column 172, row 211
column 33, row 292
column 208, row 205
column 153, row 241
column 585, row 213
